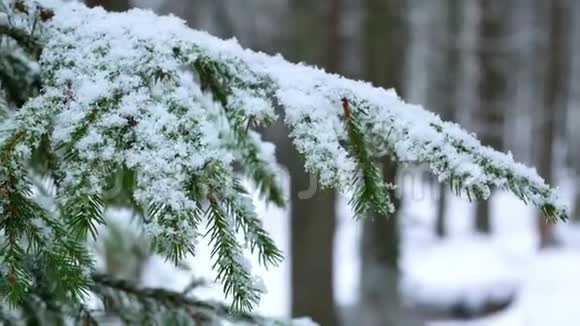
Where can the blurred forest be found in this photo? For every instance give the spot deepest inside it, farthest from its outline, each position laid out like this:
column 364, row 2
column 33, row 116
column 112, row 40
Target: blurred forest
column 507, row 70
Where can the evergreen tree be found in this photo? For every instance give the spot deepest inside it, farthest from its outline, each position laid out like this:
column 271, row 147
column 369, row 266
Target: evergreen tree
column 91, row 100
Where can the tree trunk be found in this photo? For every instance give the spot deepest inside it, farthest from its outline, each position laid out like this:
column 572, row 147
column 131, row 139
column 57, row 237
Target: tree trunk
column 573, row 114
column 444, row 97
column 379, row 288
column 547, row 115
column 313, row 219
column 440, row 220
column 313, row 224
column 109, row 5
column 493, row 87
column 482, row 217
column 576, row 214
column 380, row 303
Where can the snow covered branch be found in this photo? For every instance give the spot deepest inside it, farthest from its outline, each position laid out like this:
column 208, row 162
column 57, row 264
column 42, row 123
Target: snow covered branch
column 177, row 107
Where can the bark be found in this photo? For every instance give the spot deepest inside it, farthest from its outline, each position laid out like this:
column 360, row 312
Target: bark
column 483, row 217
column 573, row 113
column 547, row 117
column 576, row 214
column 493, row 87
column 313, row 224
column 380, row 303
column 527, row 80
column 313, row 219
column 440, row 220
column 445, row 82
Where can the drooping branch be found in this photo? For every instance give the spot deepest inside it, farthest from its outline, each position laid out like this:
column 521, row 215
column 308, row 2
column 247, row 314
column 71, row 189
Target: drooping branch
column 177, row 108
column 176, row 300
column 370, row 192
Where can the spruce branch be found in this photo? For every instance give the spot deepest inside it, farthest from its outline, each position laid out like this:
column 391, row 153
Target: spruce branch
column 172, row 241
column 229, row 211
column 254, row 164
column 370, row 191
column 28, row 42
column 178, row 110
column 246, row 219
column 222, row 84
column 16, row 212
column 85, row 214
column 496, row 168
column 178, row 301
column 229, row 263
column 18, row 78
column 63, row 260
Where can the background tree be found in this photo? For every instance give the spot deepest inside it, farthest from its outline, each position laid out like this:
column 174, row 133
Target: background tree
column 493, row 85
column 384, row 46
column 313, row 215
column 556, row 12
column 444, row 80
column 573, row 113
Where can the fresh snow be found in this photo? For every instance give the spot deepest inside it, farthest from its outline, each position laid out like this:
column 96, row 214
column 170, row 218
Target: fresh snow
column 113, row 51
column 549, row 294
column 474, row 269
column 91, row 56
column 465, row 268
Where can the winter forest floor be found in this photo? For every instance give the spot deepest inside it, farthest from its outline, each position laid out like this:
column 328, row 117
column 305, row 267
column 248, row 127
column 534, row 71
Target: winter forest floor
column 463, row 271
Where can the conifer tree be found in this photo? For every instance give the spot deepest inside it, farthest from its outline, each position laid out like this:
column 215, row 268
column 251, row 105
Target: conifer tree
column 91, row 100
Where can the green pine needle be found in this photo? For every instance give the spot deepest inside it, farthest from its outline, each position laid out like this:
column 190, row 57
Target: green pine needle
column 370, row 194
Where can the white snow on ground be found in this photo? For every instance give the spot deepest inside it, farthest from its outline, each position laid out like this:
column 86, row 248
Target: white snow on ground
column 465, row 267
column 463, row 271
column 471, row 268
column 549, row 296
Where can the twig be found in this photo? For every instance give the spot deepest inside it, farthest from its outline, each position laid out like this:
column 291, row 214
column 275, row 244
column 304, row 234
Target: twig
column 174, row 299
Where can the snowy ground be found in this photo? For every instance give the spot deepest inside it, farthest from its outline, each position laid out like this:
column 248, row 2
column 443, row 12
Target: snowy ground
column 472, row 269
column 463, row 268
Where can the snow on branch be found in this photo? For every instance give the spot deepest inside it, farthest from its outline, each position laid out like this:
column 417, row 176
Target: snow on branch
column 178, row 107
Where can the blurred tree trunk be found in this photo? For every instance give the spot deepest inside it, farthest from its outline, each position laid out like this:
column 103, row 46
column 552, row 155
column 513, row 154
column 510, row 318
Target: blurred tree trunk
column 573, row 112
column 576, row 213
column 554, row 75
column 432, row 76
column 440, row 218
column 526, row 80
column 446, row 79
column 110, row 5
column 312, row 239
column 313, row 219
column 494, row 66
column 379, row 285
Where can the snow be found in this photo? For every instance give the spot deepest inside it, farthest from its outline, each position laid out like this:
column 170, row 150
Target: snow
column 98, row 68
column 112, row 52
column 473, row 269
column 465, row 268
column 549, row 294
column 450, row 273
